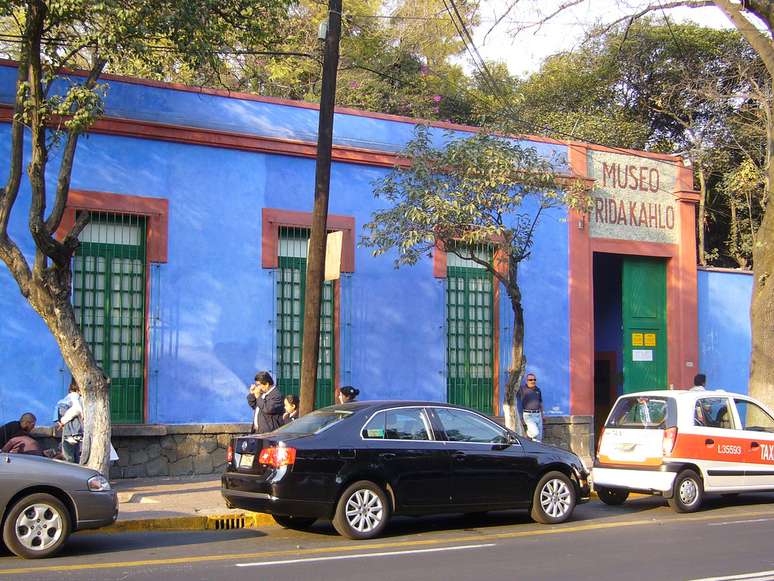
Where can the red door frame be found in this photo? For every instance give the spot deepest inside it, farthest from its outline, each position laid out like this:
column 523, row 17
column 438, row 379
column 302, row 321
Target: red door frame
column 682, row 324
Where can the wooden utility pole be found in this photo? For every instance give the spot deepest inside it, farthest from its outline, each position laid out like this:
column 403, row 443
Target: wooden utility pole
column 315, row 265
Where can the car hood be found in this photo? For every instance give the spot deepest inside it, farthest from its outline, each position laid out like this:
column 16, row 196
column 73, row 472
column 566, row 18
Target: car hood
column 39, row 465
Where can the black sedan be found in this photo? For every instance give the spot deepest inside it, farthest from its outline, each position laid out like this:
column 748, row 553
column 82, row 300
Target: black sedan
column 361, row 462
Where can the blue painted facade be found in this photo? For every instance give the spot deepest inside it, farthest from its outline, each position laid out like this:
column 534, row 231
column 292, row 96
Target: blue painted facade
column 724, row 328
column 212, row 310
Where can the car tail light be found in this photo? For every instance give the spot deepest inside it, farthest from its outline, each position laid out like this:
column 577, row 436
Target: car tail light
column 599, row 441
column 230, row 453
column 277, row 456
column 668, row 443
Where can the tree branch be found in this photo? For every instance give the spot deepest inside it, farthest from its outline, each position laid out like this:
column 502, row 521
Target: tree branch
column 66, row 167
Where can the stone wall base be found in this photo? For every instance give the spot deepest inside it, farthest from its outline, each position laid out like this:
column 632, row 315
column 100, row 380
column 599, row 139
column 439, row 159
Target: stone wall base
column 182, row 450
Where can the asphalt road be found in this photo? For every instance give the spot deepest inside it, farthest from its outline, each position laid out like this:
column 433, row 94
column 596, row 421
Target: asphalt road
column 644, row 539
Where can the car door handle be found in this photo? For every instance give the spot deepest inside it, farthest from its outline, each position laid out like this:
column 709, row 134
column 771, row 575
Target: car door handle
column 754, row 445
column 709, row 442
column 386, row 455
column 459, row 456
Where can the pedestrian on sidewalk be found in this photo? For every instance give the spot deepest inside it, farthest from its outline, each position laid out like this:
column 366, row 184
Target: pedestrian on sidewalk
column 699, row 382
column 531, row 400
column 291, row 409
column 22, row 427
column 348, row 393
column 267, row 403
column 69, row 411
column 23, row 445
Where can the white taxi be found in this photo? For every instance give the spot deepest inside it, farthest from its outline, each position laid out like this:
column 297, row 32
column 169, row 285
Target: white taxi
column 683, row 444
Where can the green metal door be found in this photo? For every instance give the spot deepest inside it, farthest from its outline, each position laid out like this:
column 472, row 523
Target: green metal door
column 469, row 300
column 644, row 324
column 291, row 282
column 109, row 301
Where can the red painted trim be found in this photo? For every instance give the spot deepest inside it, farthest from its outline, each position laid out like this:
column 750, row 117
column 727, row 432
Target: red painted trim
column 156, row 210
column 581, row 298
column 343, row 111
column 273, row 219
column 439, row 260
column 682, row 316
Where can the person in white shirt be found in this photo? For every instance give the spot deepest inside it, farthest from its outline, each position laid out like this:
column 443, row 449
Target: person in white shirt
column 70, row 413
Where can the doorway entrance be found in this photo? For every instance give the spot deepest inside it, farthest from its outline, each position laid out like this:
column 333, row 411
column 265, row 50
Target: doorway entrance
column 630, row 328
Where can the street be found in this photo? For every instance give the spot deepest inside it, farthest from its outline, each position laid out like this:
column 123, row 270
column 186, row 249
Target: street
column 643, row 539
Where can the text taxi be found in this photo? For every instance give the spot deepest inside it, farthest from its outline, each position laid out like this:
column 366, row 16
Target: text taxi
column 683, row 444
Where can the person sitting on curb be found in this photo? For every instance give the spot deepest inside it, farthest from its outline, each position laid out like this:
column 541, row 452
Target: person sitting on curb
column 23, row 427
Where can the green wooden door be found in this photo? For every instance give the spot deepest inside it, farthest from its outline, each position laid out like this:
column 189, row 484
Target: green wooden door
column 469, row 300
column 291, row 282
column 644, row 324
column 109, row 301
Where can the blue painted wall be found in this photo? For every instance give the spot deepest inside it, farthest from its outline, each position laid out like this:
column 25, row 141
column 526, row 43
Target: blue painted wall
column 211, row 306
column 724, row 328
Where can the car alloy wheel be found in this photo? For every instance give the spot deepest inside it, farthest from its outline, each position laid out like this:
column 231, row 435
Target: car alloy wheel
column 554, row 499
column 362, row 511
column 36, row 526
column 688, row 492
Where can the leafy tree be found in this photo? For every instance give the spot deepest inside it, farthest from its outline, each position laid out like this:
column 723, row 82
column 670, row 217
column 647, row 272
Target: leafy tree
column 754, row 20
column 55, row 109
column 482, row 190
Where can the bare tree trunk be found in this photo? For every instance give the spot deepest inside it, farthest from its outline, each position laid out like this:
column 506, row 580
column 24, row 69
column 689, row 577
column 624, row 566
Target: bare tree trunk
column 518, row 361
column 762, row 307
column 50, row 297
column 702, row 212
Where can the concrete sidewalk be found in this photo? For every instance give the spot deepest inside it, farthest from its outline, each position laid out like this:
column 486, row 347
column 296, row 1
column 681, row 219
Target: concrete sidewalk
column 179, row 503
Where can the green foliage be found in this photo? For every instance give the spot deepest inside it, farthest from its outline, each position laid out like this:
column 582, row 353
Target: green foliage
column 483, row 189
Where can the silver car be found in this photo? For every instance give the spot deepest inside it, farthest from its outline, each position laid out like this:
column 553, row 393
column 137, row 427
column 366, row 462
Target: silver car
column 42, row 501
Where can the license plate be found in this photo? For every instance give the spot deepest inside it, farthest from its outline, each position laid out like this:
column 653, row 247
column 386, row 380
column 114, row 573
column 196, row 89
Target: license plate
column 246, row 461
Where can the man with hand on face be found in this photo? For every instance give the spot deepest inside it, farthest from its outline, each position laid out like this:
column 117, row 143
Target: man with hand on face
column 267, row 401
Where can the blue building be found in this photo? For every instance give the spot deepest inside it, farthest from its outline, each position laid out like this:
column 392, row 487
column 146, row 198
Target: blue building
column 189, row 278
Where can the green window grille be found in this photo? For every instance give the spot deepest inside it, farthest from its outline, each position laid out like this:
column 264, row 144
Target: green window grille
column 470, row 331
column 291, row 282
column 109, row 299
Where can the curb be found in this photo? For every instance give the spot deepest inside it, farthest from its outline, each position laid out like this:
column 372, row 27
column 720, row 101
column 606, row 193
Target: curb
column 228, row 521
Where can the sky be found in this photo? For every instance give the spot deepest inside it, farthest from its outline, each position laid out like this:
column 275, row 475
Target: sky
column 526, row 50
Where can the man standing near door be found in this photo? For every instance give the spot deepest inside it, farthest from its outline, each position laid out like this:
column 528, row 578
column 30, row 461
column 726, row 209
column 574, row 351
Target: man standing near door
column 531, row 401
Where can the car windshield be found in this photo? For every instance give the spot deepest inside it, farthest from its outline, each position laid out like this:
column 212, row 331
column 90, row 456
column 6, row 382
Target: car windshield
column 639, row 412
column 314, row 423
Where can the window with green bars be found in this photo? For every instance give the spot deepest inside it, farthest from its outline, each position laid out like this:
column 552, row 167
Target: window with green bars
column 109, row 278
column 291, row 282
column 470, row 332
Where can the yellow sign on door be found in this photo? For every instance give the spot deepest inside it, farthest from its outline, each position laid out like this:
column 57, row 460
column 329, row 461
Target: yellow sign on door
column 636, row 339
column 650, row 339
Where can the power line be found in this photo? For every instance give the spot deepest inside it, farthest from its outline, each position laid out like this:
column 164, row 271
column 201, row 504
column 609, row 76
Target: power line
column 484, row 71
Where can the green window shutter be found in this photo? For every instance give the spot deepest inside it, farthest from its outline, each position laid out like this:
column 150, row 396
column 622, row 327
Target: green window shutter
column 470, row 334
column 291, row 282
column 109, row 280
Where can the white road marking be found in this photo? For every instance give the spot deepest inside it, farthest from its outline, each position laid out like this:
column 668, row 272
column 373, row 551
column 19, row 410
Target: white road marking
column 759, row 576
column 364, row 555
column 737, row 522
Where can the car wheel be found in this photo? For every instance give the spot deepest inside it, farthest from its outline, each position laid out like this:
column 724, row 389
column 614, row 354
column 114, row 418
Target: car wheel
column 36, row 526
column 612, row 496
column 688, row 492
column 362, row 511
column 554, row 499
column 297, row 523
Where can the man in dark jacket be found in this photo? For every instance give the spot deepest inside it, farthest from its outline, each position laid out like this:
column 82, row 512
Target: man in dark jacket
column 23, row 427
column 267, row 403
